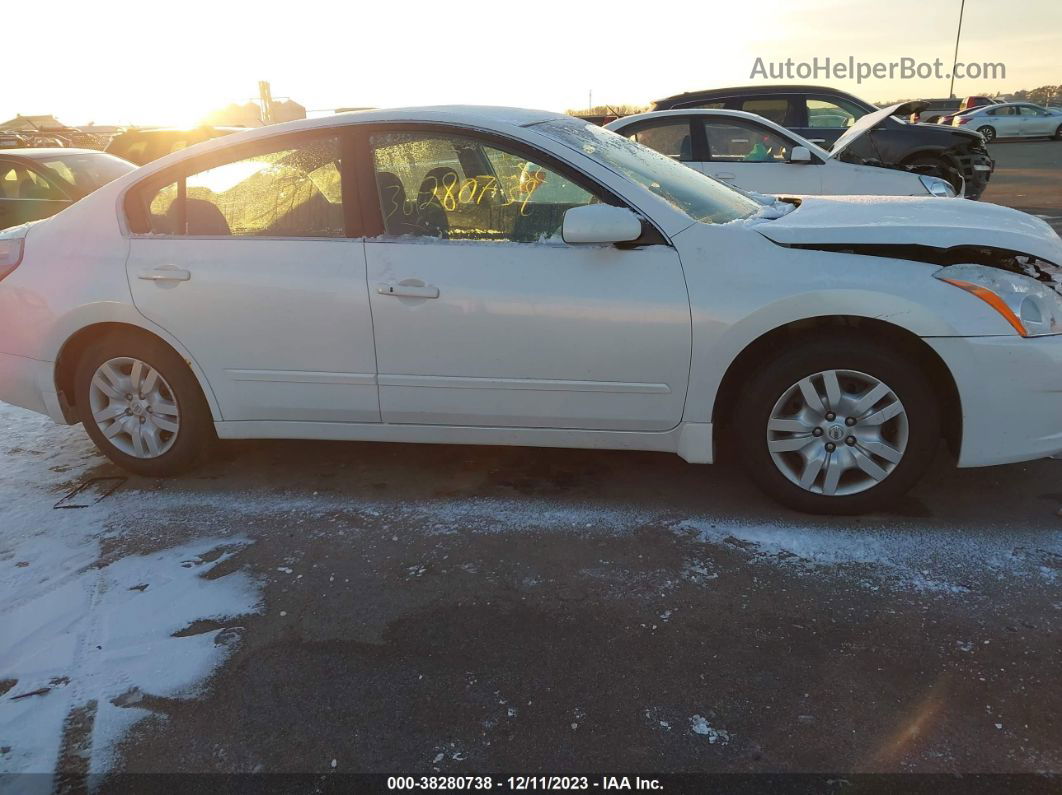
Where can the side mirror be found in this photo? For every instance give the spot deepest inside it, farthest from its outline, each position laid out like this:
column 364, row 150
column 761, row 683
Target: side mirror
column 800, row 154
column 600, row 223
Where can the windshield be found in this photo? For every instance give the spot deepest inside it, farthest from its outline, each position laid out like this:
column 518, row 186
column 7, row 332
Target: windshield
column 701, row 198
column 87, row 172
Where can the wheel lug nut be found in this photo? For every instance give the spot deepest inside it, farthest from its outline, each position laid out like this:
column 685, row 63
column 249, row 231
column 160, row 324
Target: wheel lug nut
column 817, row 432
column 850, row 441
column 830, row 416
column 849, row 421
column 830, row 447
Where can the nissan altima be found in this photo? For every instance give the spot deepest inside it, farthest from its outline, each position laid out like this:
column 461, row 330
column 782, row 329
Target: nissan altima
column 503, row 276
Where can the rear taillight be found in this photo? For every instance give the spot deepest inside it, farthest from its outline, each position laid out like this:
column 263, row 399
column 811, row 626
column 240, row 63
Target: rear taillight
column 962, row 121
column 11, row 254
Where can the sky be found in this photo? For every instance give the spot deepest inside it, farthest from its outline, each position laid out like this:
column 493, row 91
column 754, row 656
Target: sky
column 146, row 62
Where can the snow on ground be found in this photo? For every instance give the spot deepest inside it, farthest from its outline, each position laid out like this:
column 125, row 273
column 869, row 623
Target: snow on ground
column 80, row 626
column 80, row 635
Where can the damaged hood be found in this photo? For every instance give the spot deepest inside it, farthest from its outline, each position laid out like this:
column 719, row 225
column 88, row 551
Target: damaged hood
column 872, row 120
column 913, row 220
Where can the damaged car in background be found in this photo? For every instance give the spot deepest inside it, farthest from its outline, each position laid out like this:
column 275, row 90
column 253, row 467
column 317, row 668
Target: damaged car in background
column 518, row 277
column 827, row 116
column 755, row 154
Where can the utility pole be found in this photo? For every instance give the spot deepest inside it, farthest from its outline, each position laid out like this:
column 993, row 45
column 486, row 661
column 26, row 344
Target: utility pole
column 955, row 60
column 265, row 94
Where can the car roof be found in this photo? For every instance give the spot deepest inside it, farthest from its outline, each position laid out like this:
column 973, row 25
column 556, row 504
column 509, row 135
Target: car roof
column 46, row 152
column 776, row 88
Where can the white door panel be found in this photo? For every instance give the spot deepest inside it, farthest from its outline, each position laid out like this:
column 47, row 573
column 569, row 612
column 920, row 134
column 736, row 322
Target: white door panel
column 530, row 335
column 281, row 328
column 804, row 178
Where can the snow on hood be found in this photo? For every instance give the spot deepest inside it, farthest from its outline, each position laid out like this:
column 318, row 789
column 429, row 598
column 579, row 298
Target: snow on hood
column 872, row 120
column 914, row 220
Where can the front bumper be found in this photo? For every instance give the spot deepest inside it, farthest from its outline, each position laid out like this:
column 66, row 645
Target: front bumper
column 1011, row 394
column 977, row 168
column 29, row 384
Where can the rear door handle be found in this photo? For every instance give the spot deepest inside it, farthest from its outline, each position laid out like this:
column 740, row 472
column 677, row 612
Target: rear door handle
column 408, row 290
column 165, row 275
column 726, row 175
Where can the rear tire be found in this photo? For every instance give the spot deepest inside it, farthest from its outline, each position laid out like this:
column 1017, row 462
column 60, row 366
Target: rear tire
column 142, row 406
column 988, row 133
column 866, row 450
column 1058, row 133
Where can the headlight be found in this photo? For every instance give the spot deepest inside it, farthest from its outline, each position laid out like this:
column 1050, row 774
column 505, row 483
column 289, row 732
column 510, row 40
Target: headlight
column 937, row 186
column 1031, row 307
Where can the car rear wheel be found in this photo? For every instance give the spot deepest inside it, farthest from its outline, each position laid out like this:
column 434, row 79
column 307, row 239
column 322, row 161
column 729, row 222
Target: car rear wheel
column 837, row 427
column 988, row 133
column 1058, row 133
column 142, row 406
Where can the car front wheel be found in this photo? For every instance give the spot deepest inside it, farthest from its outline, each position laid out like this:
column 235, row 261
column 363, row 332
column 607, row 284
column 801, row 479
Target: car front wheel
column 1058, row 133
column 837, row 427
column 141, row 405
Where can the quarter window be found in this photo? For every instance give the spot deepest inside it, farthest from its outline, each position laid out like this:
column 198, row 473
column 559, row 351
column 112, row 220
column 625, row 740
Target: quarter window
column 734, row 141
column 291, row 192
column 456, row 188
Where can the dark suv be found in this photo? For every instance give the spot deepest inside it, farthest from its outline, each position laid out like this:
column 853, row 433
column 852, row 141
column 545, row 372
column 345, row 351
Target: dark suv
column 823, row 114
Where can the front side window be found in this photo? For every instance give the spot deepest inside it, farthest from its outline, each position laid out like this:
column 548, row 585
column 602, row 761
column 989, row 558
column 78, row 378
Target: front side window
column 737, row 141
column 451, row 187
column 690, row 192
column 1029, row 110
column 290, row 192
column 832, row 113
column 669, row 138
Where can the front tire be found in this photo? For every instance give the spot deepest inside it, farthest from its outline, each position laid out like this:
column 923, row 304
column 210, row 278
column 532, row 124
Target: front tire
column 1058, row 133
column 836, row 427
column 141, row 405
column 988, row 133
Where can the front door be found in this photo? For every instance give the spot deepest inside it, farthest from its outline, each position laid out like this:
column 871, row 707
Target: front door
column 1036, row 122
column 484, row 316
column 249, row 264
column 753, row 157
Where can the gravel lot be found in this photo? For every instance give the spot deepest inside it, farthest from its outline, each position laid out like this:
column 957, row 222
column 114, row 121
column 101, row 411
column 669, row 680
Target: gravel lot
column 317, row 607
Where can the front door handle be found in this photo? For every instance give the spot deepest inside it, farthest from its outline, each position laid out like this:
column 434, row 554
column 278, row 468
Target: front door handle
column 401, row 290
column 165, row 275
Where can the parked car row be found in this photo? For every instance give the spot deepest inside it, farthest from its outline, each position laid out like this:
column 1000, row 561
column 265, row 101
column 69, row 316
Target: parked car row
column 823, row 115
column 507, row 276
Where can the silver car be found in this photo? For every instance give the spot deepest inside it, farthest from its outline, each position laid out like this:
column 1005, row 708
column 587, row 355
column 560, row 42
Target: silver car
column 1012, row 120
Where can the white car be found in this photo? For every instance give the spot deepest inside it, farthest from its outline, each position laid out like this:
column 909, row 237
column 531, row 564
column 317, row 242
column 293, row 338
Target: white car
column 755, row 154
column 502, row 276
column 1012, row 120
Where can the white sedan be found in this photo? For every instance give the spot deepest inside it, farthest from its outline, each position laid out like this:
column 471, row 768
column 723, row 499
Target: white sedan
column 502, row 276
column 1012, row 120
column 755, row 154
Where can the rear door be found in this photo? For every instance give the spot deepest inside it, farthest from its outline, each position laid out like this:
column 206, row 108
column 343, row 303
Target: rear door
column 1005, row 120
column 254, row 261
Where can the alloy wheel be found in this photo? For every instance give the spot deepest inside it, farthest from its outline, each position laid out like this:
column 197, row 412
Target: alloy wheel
column 134, row 407
column 837, row 432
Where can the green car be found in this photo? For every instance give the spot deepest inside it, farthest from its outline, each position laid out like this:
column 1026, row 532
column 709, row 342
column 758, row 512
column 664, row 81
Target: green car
column 38, row 183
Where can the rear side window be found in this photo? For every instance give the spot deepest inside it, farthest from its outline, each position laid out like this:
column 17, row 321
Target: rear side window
column 289, row 192
column 774, row 108
column 670, row 137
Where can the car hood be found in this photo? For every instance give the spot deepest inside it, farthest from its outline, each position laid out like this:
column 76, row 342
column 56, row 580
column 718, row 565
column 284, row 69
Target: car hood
column 913, row 220
column 872, row 120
